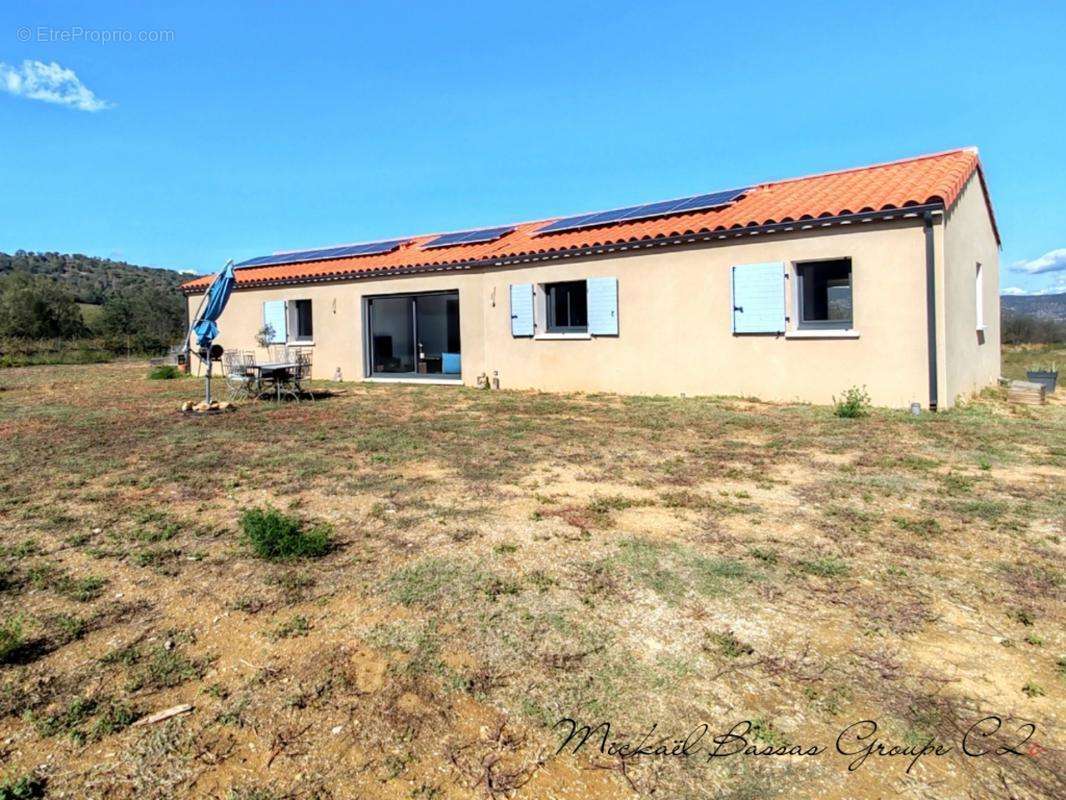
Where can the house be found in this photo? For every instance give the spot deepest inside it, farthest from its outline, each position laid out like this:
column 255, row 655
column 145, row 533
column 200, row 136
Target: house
column 882, row 276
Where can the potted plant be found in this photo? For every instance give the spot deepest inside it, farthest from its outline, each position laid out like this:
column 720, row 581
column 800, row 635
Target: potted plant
column 1047, row 377
column 265, row 336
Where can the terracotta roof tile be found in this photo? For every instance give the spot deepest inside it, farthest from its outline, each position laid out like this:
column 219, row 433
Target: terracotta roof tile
column 935, row 178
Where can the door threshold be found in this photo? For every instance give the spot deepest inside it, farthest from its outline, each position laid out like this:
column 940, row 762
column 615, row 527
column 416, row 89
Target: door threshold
column 430, row 381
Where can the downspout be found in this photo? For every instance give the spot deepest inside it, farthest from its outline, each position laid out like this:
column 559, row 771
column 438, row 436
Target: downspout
column 930, row 306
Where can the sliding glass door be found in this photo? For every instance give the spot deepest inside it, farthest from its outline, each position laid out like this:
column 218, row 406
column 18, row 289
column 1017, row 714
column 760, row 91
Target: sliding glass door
column 414, row 336
column 392, row 335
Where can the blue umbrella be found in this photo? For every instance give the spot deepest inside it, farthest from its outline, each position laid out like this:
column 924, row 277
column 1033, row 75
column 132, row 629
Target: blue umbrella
column 205, row 327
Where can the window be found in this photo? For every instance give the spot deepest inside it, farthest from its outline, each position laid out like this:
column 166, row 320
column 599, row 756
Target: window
column 300, row 327
column 980, row 291
column 567, row 307
column 823, row 294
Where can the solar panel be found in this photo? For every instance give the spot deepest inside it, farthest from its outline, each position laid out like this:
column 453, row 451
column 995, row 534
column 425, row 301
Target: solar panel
column 324, row 254
column 467, row 237
column 684, row 205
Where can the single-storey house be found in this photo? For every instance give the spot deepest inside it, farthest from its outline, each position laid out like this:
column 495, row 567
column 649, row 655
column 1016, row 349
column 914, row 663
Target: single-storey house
column 883, row 276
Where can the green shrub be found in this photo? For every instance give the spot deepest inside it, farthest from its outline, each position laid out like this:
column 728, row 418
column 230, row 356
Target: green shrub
column 276, row 536
column 26, row 787
column 855, row 403
column 81, row 589
column 10, row 638
column 116, row 716
column 729, row 645
column 164, row 669
column 164, row 372
column 825, row 567
column 926, row 527
column 297, row 626
column 67, row 720
column 68, row 627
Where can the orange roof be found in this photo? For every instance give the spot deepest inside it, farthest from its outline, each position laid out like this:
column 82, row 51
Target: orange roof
column 930, row 179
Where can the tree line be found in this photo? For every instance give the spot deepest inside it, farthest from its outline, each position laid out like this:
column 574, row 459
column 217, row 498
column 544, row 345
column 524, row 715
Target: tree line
column 1031, row 329
column 133, row 309
column 91, row 280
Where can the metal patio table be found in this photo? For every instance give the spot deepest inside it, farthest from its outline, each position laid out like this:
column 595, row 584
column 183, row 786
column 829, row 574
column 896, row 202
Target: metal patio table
column 280, row 372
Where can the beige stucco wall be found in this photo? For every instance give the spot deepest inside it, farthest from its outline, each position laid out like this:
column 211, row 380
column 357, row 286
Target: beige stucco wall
column 675, row 323
column 971, row 357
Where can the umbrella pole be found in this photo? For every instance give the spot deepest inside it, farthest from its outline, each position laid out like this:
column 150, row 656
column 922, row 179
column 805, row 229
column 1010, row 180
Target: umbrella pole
column 207, row 381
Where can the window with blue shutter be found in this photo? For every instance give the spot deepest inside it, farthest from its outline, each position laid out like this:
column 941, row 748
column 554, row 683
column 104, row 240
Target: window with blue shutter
column 521, row 309
column 759, row 298
column 274, row 315
column 603, row 306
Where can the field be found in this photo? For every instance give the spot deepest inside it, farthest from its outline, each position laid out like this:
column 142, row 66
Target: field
column 1016, row 360
column 474, row 567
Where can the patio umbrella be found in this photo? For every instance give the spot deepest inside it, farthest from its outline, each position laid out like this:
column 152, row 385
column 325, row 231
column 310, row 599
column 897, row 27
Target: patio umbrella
column 205, row 326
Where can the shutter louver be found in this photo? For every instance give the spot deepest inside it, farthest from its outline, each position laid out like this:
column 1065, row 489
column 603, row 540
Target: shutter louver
column 759, row 298
column 274, row 314
column 603, row 306
column 521, row 309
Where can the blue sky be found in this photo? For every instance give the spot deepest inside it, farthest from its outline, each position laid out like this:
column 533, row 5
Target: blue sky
column 237, row 129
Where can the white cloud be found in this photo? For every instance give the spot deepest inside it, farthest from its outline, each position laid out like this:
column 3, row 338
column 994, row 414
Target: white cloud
column 1051, row 261
column 49, row 83
column 1058, row 286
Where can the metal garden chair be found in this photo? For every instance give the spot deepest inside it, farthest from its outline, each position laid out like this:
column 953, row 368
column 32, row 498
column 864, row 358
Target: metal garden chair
column 239, row 379
column 303, row 371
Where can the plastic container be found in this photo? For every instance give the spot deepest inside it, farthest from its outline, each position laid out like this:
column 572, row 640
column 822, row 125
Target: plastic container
column 1045, row 377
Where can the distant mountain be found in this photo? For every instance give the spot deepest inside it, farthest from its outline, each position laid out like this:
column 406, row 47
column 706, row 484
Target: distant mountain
column 91, row 280
column 1050, row 306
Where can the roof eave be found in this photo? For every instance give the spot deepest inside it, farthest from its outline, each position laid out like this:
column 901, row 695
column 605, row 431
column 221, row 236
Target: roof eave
column 791, row 226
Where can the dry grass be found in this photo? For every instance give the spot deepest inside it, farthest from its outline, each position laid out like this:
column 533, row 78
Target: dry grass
column 502, row 560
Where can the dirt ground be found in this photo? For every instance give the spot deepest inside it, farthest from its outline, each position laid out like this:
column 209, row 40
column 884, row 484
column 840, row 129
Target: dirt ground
column 502, row 561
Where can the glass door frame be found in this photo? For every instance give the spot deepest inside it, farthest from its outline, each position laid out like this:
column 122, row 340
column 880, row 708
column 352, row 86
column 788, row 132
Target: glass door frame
column 368, row 338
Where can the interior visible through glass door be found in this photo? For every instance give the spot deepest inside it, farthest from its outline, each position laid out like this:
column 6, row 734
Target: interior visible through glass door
column 414, row 336
column 437, row 329
column 392, row 335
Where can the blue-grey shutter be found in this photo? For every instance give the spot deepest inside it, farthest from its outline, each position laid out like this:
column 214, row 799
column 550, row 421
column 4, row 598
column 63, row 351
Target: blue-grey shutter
column 603, row 306
column 759, row 298
column 521, row 309
column 274, row 315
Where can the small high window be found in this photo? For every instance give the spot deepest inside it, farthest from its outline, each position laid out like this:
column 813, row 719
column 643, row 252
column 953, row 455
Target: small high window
column 300, row 327
column 567, row 307
column 823, row 294
column 979, row 284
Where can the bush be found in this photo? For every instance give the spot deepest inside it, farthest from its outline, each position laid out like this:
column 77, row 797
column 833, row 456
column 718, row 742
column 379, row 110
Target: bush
column 10, row 638
column 276, row 536
column 33, row 307
column 855, row 403
column 826, row 567
column 164, row 372
column 26, row 787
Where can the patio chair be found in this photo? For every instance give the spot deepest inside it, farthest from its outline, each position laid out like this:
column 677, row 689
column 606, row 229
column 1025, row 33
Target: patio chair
column 248, row 360
column 239, row 379
column 278, row 353
column 303, row 358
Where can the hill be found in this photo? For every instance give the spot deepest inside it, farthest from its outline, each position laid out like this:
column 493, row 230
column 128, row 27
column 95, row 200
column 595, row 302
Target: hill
column 91, row 280
column 1048, row 306
column 57, row 307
